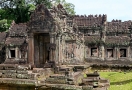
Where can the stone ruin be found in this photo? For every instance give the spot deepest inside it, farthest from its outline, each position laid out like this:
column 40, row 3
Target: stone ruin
column 55, row 49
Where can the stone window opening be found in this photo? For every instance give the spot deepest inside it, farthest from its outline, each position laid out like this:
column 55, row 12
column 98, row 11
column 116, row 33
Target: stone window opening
column 122, row 52
column 110, row 53
column 94, row 52
column 12, row 54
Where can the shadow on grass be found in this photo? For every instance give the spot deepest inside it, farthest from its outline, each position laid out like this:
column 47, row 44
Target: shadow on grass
column 121, row 82
column 111, row 74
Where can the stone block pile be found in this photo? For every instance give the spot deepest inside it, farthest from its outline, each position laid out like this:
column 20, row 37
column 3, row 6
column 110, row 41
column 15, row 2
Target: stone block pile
column 93, row 80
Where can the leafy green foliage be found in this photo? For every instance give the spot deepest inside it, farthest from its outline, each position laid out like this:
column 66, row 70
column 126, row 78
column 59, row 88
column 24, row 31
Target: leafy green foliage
column 20, row 10
column 47, row 3
column 68, row 6
column 3, row 25
column 17, row 10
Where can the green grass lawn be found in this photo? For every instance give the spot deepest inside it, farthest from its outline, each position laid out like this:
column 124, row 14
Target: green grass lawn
column 118, row 80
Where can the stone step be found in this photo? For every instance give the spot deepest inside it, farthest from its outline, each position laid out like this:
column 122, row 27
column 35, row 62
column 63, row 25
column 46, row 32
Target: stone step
column 92, row 75
column 37, row 70
column 87, row 87
column 89, row 80
column 100, row 88
column 64, row 69
column 8, row 71
column 79, row 67
column 50, row 64
column 23, row 67
column 14, row 67
column 104, row 83
column 93, row 78
column 9, row 75
column 58, row 76
column 23, row 76
column 56, row 81
column 22, row 71
column 76, row 77
column 70, row 82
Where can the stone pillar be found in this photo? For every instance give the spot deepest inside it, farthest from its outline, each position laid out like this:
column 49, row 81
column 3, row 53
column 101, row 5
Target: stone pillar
column 56, row 52
column 52, row 52
column 101, row 48
column 59, row 49
column 128, row 52
column 7, row 53
column 118, row 52
column 17, row 52
column 102, row 52
column 115, row 53
column 31, row 49
column 103, row 37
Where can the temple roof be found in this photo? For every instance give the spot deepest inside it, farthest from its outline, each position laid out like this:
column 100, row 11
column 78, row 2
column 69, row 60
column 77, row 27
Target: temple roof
column 112, row 40
column 118, row 26
column 92, row 39
column 90, row 20
column 14, row 41
column 122, row 40
column 2, row 37
column 40, row 11
column 18, row 30
column 41, row 20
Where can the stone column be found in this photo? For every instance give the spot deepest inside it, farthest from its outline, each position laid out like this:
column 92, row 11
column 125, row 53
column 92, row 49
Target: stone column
column 51, row 51
column 56, row 52
column 7, row 52
column 128, row 52
column 118, row 52
column 115, row 52
column 102, row 52
column 101, row 48
column 103, row 37
column 31, row 49
column 17, row 52
column 59, row 48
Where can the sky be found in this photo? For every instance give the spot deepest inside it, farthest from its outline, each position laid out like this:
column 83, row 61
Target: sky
column 114, row 9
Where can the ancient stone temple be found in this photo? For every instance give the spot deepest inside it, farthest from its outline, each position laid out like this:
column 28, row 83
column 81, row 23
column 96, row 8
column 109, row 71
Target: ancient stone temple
column 54, row 49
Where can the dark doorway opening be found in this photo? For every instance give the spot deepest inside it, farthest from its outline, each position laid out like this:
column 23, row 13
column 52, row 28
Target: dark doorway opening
column 12, row 53
column 109, row 53
column 41, row 53
column 94, row 52
column 122, row 52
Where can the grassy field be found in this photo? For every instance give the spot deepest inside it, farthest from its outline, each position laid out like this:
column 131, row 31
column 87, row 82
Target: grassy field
column 118, row 80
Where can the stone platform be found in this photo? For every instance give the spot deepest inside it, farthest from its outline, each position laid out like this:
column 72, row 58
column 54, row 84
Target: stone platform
column 60, row 77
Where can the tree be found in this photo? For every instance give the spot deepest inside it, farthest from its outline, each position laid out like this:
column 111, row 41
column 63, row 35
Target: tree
column 17, row 10
column 69, row 7
column 20, row 10
column 45, row 2
column 3, row 25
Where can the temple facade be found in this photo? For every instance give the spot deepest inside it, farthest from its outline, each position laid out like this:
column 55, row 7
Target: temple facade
column 52, row 35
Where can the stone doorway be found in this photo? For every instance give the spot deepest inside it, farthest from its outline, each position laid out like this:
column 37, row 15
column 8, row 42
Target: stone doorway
column 41, row 52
